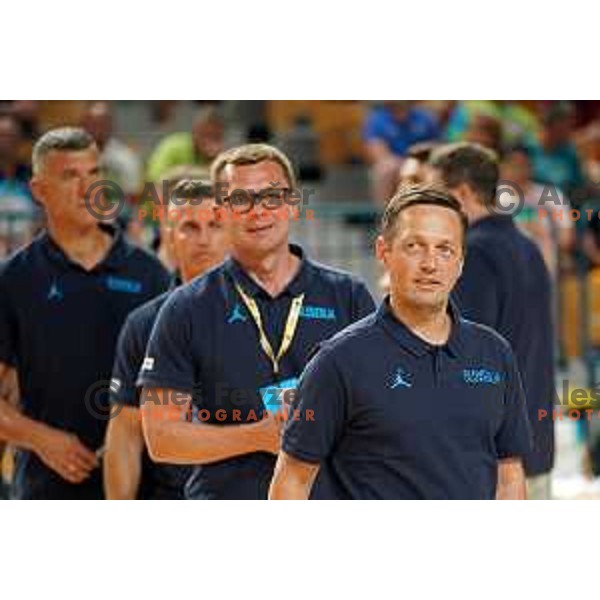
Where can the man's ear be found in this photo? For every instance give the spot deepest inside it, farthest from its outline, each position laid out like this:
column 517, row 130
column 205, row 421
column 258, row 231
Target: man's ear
column 37, row 189
column 381, row 250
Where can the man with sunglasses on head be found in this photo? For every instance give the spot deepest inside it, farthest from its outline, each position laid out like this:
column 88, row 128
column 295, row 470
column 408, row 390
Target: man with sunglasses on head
column 234, row 342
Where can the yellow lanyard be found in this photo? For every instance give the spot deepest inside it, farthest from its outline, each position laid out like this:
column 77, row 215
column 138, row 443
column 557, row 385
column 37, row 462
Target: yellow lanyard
column 288, row 333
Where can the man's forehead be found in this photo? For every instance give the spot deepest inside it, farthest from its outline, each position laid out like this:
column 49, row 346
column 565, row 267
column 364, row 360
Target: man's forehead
column 431, row 220
column 265, row 172
column 60, row 159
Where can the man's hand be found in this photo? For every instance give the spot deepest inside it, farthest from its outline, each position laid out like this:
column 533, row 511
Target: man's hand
column 270, row 432
column 65, row 454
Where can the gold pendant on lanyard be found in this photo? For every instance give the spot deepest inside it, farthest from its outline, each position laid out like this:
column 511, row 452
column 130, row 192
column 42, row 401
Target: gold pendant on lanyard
column 288, row 333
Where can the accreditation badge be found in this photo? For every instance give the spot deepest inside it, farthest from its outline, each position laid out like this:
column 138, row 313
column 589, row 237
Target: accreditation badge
column 275, row 396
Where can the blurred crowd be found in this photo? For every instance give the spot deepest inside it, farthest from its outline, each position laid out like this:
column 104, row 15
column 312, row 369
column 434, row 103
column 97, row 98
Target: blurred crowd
column 548, row 150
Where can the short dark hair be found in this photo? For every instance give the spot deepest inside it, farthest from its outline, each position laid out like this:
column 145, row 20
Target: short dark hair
column 62, row 139
column 189, row 189
column 468, row 163
column 421, row 151
column 419, row 195
column 517, row 148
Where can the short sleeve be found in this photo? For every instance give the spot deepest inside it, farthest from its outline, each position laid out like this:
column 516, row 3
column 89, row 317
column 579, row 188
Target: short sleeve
column 169, row 361
column 7, row 324
column 131, row 349
column 513, row 438
column 362, row 301
column 372, row 130
column 321, row 411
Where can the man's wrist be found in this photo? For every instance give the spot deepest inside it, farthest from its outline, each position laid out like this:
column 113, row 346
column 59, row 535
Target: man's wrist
column 36, row 438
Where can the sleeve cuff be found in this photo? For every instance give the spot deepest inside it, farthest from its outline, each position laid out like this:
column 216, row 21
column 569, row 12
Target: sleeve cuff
column 301, row 455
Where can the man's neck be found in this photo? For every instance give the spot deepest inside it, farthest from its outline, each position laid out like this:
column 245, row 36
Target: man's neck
column 477, row 213
column 86, row 246
column 432, row 324
column 272, row 272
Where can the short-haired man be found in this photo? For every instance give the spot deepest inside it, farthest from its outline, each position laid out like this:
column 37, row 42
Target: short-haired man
column 235, row 341
column 412, row 402
column 505, row 284
column 197, row 241
column 63, row 299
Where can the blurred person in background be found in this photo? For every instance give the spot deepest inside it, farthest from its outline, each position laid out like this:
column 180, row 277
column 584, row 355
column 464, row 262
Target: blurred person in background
column 519, row 124
column 17, row 209
column 554, row 155
column 118, row 162
column 486, row 131
column 63, row 300
column 553, row 230
column 415, row 167
column 505, row 284
column 198, row 147
column 390, row 130
column 198, row 241
column 27, row 113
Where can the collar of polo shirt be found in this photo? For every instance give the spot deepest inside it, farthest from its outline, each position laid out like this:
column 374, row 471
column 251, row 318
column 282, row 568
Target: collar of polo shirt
column 415, row 344
column 115, row 257
column 297, row 285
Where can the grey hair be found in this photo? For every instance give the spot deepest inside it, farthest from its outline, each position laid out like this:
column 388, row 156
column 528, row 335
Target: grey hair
column 62, row 139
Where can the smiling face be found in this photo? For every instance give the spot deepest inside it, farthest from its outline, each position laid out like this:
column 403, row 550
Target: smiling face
column 423, row 255
column 260, row 231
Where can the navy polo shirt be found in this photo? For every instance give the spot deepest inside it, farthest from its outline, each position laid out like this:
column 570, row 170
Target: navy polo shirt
column 206, row 343
column 159, row 482
column 59, row 326
column 505, row 284
column 393, row 417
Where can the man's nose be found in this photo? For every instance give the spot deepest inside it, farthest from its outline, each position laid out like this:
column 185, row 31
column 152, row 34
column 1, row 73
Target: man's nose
column 428, row 261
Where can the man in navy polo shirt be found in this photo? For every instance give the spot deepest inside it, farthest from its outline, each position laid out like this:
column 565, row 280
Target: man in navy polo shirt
column 235, row 341
column 412, row 402
column 197, row 241
column 505, row 284
column 63, row 299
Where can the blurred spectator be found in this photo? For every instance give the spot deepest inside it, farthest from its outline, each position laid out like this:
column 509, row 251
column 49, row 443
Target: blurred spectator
column 553, row 231
column 555, row 158
column 16, row 203
column 389, row 131
column 518, row 123
column 485, row 131
column 118, row 161
column 196, row 148
column 415, row 167
column 27, row 113
column 591, row 238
